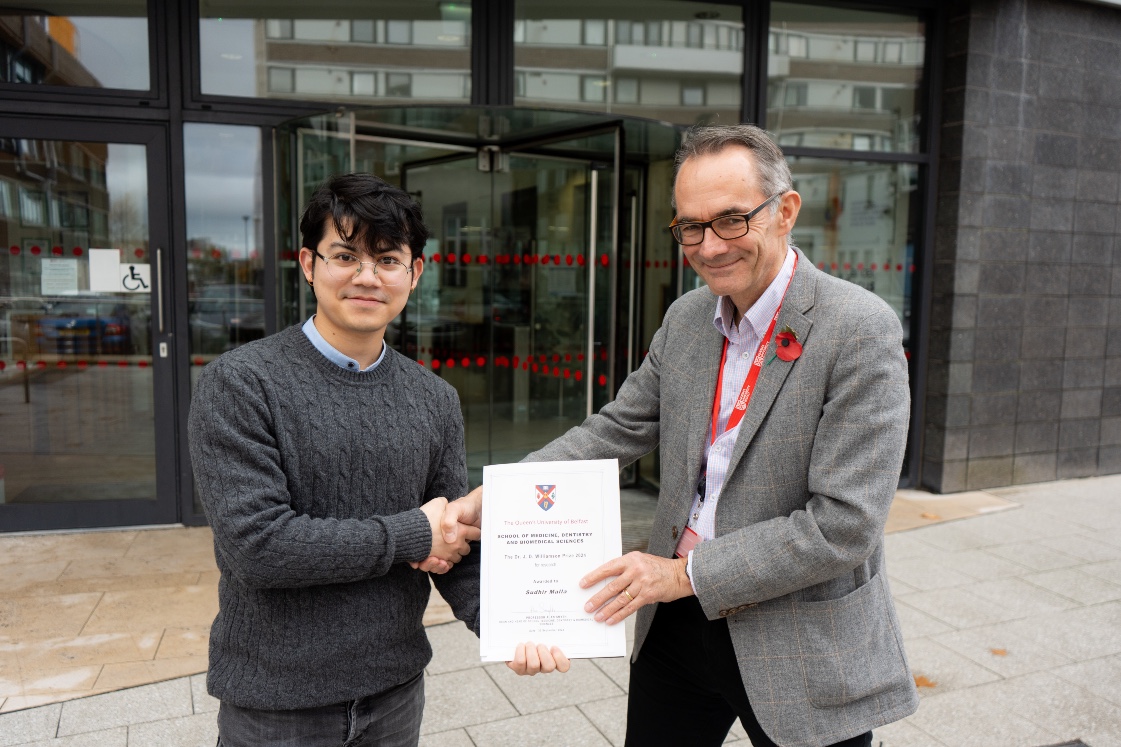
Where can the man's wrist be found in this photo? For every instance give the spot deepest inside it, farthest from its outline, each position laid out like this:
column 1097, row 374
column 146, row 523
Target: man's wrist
column 685, row 578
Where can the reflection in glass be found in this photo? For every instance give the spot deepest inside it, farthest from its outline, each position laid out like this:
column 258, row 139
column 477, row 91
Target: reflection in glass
column 859, row 221
column 845, row 79
column 225, row 276
column 681, row 62
column 75, row 362
column 347, row 52
column 49, row 46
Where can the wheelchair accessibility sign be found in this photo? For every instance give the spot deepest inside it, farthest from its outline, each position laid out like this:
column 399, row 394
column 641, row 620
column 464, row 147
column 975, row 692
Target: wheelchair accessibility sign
column 136, row 278
column 109, row 275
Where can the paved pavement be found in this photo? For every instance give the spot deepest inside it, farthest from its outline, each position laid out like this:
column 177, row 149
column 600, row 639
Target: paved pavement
column 1012, row 623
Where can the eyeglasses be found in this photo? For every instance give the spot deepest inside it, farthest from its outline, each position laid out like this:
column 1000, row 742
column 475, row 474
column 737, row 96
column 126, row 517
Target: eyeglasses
column 347, row 266
column 726, row 226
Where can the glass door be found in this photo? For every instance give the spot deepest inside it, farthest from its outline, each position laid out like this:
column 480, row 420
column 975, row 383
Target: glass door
column 514, row 308
column 84, row 344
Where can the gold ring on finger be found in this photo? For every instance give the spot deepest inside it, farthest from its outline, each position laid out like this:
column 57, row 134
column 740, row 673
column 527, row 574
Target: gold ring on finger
column 629, row 597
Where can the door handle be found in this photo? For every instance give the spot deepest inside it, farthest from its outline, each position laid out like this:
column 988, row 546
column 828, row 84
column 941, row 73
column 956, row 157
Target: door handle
column 159, row 289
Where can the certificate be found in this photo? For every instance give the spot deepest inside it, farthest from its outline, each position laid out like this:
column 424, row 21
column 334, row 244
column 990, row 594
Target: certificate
column 546, row 525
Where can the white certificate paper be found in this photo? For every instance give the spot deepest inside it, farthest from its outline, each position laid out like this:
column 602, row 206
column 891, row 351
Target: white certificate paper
column 546, row 525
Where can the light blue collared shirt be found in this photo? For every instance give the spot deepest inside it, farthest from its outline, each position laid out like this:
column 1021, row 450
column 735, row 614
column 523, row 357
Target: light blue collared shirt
column 333, row 355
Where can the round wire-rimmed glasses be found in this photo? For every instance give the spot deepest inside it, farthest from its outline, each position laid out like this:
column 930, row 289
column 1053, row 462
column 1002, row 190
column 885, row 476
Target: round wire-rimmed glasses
column 727, row 227
column 347, row 265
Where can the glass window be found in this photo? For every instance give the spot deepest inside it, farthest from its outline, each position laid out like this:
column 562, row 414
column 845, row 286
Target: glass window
column 224, row 254
column 595, row 32
column 560, row 51
column 595, row 88
column 863, row 97
column 399, row 85
column 859, row 221
column 362, row 30
column 693, row 95
column 816, row 49
column 106, row 47
column 626, row 90
column 348, row 52
column 282, row 79
column 398, row 32
column 75, row 347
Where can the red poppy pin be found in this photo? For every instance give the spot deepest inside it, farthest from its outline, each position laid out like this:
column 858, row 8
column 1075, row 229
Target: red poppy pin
column 787, row 346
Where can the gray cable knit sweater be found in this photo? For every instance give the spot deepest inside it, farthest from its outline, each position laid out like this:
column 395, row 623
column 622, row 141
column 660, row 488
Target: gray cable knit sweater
column 311, row 477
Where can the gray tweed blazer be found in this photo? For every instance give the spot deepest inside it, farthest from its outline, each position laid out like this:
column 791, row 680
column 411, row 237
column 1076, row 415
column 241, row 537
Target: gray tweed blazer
column 797, row 567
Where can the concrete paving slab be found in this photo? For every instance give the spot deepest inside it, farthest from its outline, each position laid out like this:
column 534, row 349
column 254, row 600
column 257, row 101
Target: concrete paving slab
column 108, row 738
column 944, row 669
column 201, row 700
column 998, row 649
column 1034, row 556
column 1058, row 705
column 618, row 669
column 163, row 700
column 540, row 730
column 1100, row 676
column 582, row 683
column 953, row 537
column 459, row 699
column 1076, row 585
column 1108, row 571
column 30, row 725
column 974, row 718
column 189, row 731
column 1078, row 634
column 609, row 716
column 903, row 734
column 454, row 647
column 981, row 565
column 905, row 545
column 916, row 624
column 925, row 574
column 1017, row 598
column 956, row 607
column 1083, row 547
column 453, row 738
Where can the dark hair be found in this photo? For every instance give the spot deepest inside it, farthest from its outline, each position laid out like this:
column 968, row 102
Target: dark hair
column 368, row 213
column 773, row 171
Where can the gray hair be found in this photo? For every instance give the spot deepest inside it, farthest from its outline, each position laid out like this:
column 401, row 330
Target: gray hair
column 703, row 140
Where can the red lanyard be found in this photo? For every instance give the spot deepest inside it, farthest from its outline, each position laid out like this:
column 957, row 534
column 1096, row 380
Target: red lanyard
column 752, row 376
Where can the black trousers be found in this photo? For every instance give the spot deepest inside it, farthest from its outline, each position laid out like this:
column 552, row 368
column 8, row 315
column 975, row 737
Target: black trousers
column 686, row 688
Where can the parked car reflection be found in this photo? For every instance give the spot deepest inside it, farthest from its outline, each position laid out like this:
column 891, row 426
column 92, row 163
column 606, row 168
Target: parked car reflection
column 221, row 317
column 84, row 326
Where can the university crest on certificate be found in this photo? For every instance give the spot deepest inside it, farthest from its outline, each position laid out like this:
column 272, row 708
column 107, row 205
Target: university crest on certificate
column 545, row 525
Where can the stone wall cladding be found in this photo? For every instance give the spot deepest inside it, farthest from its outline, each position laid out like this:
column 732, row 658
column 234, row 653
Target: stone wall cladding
column 1024, row 371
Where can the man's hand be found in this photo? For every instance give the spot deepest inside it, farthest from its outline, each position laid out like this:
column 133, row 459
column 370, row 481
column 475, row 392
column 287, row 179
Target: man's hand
column 468, row 510
column 640, row 579
column 531, row 659
column 460, row 517
column 444, row 554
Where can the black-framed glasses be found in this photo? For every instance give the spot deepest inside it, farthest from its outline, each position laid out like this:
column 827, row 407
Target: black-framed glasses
column 726, row 226
column 347, row 265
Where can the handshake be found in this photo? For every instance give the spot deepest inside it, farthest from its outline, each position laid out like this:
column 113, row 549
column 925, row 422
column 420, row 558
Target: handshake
column 454, row 524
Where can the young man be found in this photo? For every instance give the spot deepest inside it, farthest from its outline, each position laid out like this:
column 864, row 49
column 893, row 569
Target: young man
column 322, row 457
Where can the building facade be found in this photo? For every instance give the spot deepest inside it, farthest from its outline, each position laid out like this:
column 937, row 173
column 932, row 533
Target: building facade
column 962, row 162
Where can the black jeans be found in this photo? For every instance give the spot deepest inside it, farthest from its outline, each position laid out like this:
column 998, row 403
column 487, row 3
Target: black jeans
column 686, row 687
column 389, row 719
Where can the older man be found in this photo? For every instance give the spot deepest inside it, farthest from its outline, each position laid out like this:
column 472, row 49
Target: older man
column 779, row 398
